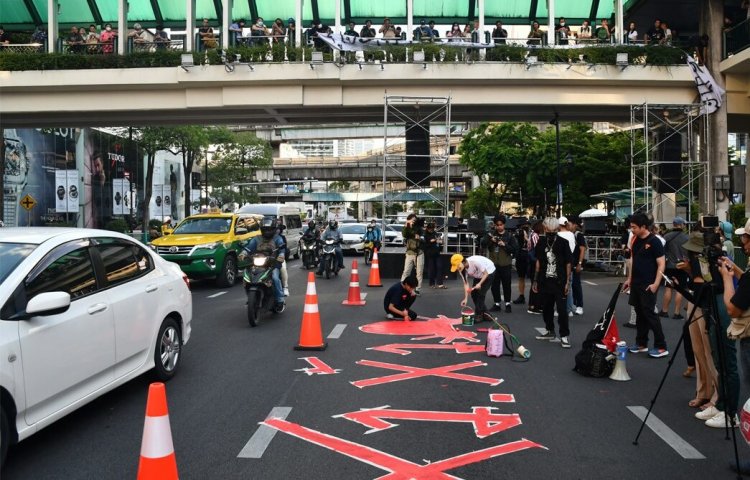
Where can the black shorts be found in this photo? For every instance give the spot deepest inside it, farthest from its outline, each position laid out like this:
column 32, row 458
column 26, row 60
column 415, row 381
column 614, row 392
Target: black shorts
column 522, row 265
column 681, row 276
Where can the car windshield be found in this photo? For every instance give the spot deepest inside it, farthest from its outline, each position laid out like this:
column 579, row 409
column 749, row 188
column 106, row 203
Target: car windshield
column 394, row 228
column 353, row 229
column 204, row 225
column 11, row 254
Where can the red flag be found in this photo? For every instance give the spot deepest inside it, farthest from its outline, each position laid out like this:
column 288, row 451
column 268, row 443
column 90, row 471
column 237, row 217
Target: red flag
column 611, row 335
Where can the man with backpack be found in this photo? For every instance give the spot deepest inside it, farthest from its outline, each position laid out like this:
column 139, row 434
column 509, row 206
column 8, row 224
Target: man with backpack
column 674, row 254
column 501, row 246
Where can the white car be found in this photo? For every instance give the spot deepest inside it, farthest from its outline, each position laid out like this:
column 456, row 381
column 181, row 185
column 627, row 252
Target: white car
column 352, row 234
column 81, row 312
column 393, row 235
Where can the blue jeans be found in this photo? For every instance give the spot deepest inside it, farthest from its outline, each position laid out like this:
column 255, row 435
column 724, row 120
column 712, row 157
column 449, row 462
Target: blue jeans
column 569, row 300
column 277, row 289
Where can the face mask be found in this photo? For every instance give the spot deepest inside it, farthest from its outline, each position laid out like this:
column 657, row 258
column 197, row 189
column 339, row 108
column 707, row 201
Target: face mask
column 562, row 24
column 260, row 24
column 109, row 29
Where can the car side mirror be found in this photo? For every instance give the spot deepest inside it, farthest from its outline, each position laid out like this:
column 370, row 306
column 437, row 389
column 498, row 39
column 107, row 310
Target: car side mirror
column 48, row 303
column 240, row 231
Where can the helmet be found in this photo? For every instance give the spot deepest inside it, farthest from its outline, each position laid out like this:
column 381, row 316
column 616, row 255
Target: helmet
column 268, row 228
column 333, row 224
column 311, row 225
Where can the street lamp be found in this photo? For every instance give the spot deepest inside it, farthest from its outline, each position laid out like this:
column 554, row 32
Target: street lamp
column 558, row 197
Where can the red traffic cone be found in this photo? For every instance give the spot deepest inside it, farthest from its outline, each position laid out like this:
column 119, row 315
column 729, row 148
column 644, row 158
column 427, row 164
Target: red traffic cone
column 157, row 452
column 355, row 295
column 374, row 280
column 311, row 335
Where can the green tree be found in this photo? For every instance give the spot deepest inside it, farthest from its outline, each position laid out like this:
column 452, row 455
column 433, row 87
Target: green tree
column 191, row 141
column 237, row 155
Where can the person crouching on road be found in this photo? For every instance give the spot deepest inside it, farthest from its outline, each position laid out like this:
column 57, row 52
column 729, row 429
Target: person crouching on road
column 399, row 299
column 482, row 270
column 552, row 274
column 269, row 243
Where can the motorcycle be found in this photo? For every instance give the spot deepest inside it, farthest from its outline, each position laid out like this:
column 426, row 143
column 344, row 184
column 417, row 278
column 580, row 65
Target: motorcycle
column 258, row 282
column 328, row 257
column 308, row 248
column 368, row 249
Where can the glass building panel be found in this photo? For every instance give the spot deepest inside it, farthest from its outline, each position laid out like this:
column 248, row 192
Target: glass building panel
column 376, row 11
column 284, row 9
column 428, row 9
column 74, row 11
column 140, row 11
column 41, row 7
column 108, row 10
column 14, row 11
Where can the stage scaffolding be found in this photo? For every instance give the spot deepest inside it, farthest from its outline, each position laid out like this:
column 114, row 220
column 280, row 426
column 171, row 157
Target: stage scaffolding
column 654, row 125
column 418, row 112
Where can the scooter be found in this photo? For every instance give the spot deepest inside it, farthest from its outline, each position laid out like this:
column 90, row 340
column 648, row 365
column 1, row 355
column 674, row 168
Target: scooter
column 328, row 257
column 308, row 248
column 368, row 249
column 258, row 282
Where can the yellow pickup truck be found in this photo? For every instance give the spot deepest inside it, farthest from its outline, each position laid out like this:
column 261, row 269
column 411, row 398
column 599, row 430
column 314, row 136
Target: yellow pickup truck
column 207, row 245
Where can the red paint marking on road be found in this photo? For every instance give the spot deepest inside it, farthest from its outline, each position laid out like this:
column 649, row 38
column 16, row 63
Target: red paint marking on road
column 484, row 421
column 406, row 348
column 446, row 371
column 398, row 468
column 502, row 397
column 441, row 327
column 319, row 367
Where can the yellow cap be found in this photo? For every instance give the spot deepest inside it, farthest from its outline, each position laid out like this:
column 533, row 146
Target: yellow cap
column 456, row 260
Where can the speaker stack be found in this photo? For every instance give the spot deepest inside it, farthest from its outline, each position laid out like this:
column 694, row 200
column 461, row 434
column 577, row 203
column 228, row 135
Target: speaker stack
column 669, row 175
column 418, row 153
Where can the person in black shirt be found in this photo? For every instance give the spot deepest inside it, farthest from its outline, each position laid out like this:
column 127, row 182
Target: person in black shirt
column 399, row 299
column 655, row 35
column 644, row 278
column 367, row 31
column 499, row 34
column 431, row 242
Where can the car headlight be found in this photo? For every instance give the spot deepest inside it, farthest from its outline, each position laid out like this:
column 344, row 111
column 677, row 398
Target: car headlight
column 208, row 246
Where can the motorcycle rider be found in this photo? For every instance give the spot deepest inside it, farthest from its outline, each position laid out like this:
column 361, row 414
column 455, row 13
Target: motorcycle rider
column 284, row 275
column 312, row 235
column 332, row 232
column 267, row 243
column 372, row 234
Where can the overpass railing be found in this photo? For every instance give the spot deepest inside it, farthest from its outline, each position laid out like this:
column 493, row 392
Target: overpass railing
column 20, row 58
column 737, row 38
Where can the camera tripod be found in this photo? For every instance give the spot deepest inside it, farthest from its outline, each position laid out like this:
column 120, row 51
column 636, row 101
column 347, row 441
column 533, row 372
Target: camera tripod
column 706, row 296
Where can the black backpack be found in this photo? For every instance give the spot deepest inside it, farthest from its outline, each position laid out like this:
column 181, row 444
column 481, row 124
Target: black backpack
column 592, row 360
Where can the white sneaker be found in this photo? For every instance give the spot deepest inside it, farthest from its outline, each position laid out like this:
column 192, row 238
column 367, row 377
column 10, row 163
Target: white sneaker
column 555, row 340
column 389, row 316
column 708, row 413
column 720, row 420
column 565, row 342
column 286, row 292
column 579, row 310
column 556, row 314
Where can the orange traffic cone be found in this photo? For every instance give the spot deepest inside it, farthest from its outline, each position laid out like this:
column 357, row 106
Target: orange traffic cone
column 310, row 335
column 157, row 452
column 355, row 296
column 374, row 280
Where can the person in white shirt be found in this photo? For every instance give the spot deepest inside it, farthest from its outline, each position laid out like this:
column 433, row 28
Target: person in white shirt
column 482, row 270
column 566, row 233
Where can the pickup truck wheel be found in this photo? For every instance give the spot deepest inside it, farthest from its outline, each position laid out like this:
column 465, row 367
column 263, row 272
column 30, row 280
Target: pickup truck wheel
column 228, row 274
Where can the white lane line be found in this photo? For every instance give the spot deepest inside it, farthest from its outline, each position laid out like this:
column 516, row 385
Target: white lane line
column 590, row 283
column 337, row 330
column 216, row 295
column 683, row 448
column 262, row 437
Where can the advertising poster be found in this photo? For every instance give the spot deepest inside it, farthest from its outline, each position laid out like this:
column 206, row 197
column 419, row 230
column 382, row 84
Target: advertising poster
column 158, row 210
column 73, row 191
column 195, row 198
column 121, row 199
column 61, row 191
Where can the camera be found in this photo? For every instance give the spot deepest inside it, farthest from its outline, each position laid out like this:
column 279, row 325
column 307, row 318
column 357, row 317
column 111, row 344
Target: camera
column 709, row 221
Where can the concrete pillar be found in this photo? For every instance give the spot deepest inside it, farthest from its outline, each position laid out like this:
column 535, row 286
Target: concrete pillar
column 226, row 20
column 298, row 19
column 619, row 22
column 122, row 26
column 481, row 20
column 52, row 32
column 409, row 19
column 190, row 25
column 551, row 37
column 718, row 139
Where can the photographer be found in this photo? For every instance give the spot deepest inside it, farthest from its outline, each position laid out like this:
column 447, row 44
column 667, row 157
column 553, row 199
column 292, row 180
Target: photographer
column 737, row 300
column 412, row 234
column 501, row 246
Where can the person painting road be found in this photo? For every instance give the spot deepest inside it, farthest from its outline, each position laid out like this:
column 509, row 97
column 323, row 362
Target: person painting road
column 482, row 270
column 399, row 299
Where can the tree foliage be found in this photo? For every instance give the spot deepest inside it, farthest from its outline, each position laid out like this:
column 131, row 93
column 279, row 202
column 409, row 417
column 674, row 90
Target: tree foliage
column 517, row 161
column 237, row 155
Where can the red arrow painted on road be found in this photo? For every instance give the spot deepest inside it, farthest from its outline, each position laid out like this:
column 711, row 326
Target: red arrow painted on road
column 485, row 422
column 406, row 348
column 397, row 468
column 319, row 367
column 440, row 327
column 446, row 371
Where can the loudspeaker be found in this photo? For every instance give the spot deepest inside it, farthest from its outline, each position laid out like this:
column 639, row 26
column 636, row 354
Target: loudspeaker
column 669, row 175
column 737, row 178
column 594, row 225
column 477, row 225
column 418, row 153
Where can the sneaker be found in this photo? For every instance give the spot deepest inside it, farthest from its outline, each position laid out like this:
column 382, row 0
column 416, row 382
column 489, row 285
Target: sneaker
column 520, row 300
column 556, row 314
column 677, row 316
column 637, row 349
column 507, row 307
column 546, row 336
column 658, row 352
column 286, row 292
column 579, row 311
column 417, row 292
column 534, row 311
column 663, row 314
column 629, row 325
column 496, row 307
column 564, row 342
column 708, row 413
column 389, row 316
column 555, row 340
column 486, row 317
column 721, row 419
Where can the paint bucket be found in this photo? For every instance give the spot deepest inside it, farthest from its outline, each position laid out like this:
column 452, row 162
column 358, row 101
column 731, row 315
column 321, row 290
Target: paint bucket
column 522, row 352
column 467, row 316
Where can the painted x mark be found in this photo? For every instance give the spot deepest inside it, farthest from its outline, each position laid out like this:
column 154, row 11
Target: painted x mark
column 446, row 371
column 397, row 468
column 319, row 367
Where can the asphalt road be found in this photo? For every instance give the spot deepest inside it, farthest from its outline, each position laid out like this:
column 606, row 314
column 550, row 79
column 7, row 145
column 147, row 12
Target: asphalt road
column 232, row 376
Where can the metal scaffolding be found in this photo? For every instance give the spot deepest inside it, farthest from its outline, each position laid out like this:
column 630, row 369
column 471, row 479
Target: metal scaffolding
column 654, row 125
column 418, row 112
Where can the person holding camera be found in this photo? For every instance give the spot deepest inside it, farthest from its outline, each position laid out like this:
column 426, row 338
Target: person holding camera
column 432, row 241
column 501, row 246
column 644, row 277
column 414, row 259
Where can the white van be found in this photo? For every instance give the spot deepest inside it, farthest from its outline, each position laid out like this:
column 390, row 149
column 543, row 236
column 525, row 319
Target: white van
column 290, row 217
